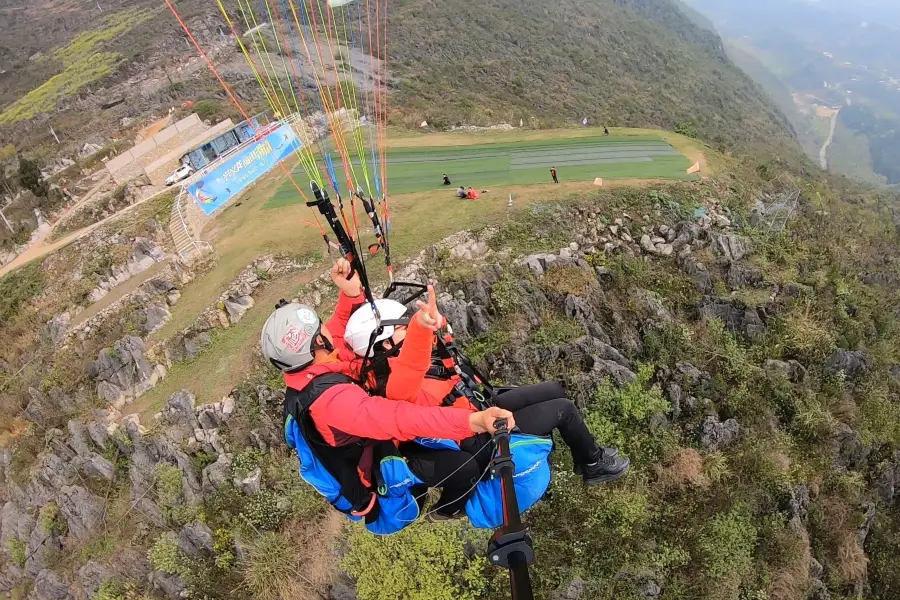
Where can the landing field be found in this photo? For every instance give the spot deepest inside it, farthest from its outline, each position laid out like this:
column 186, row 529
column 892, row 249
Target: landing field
column 489, row 164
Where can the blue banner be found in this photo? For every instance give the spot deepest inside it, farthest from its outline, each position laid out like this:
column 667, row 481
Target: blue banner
column 230, row 178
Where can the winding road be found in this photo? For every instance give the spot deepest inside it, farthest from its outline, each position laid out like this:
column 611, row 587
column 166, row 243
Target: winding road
column 823, row 153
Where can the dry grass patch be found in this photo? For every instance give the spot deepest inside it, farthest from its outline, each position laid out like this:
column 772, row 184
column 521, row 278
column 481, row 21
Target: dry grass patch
column 686, row 469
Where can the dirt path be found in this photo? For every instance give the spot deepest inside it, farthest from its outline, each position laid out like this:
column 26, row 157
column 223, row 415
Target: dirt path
column 823, row 153
column 42, row 247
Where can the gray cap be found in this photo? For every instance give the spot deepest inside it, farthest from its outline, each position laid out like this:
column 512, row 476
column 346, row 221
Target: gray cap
column 288, row 336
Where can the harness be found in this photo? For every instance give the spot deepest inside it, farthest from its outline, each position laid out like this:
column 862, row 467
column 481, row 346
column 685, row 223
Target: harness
column 344, row 463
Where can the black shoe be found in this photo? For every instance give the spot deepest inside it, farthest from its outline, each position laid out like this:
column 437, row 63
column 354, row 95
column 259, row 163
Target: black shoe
column 610, row 466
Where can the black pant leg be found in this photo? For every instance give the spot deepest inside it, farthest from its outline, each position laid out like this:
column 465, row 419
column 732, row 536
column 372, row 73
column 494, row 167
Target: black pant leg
column 562, row 414
column 455, row 472
column 518, row 398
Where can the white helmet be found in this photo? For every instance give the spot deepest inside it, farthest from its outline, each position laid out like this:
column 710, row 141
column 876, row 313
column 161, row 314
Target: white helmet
column 363, row 322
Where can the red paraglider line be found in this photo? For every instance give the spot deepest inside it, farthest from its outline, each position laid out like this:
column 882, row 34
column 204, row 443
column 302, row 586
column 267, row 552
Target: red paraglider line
column 237, row 104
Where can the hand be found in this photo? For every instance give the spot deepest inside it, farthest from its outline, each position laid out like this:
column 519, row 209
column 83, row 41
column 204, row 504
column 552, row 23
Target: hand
column 351, row 287
column 428, row 315
column 483, row 422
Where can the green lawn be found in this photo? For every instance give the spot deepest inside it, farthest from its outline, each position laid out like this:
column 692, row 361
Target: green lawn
column 419, row 169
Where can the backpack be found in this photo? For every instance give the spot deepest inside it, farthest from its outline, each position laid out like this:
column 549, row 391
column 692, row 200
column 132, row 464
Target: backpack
column 386, row 504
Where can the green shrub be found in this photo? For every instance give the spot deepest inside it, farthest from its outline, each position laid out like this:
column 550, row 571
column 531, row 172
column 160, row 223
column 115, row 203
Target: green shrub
column 726, row 546
column 262, row 510
column 618, row 417
column 165, row 556
column 113, row 589
column 170, row 494
column 421, row 562
column 49, row 519
column 269, row 566
column 555, row 331
column 245, row 462
column 17, row 551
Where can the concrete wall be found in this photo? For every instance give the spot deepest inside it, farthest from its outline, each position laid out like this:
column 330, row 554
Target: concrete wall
column 131, row 163
column 163, row 166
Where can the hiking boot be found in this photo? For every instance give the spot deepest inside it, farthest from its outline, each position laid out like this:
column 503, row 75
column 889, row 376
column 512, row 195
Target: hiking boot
column 439, row 517
column 610, row 465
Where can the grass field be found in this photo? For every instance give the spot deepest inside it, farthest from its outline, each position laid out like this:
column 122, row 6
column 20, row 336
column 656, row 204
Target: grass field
column 489, row 164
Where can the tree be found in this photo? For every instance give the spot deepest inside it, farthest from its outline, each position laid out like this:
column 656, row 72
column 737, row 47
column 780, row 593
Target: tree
column 31, row 178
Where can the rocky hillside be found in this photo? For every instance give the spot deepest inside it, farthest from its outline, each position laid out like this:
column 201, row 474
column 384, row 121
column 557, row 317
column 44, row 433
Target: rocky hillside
column 750, row 370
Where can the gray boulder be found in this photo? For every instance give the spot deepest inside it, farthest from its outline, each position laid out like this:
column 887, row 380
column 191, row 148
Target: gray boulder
column 123, row 371
column 217, row 474
column 888, row 483
column 178, row 416
column 170, row 586
column 196, row 540
column 342, row 591
column 78, row 438
column 740, row 276
column 44, row 409
column 651, row 306
column 55, row 472
column 81, row 510
column 251, row 483
column 737, row 317
column 850, row 451
column 674, row 393
column 97, row 467
column 716, row 436
column 852, row 363
column 57, row 327
column 41, row 545
column 732, row 247
column 48, row 585
column 90, row 577
column 99, row 433
column 155, row 316
column 868, row 519
column 237, row 307
column 791, row 370
column 619, row 375
column 15, row 523
column 573, row 590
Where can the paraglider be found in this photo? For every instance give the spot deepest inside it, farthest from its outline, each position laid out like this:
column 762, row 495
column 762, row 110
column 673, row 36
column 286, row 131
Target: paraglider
column 336, row 416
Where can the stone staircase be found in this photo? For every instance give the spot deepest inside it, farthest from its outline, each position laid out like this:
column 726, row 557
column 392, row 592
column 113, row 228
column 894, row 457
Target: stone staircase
column 188, row 245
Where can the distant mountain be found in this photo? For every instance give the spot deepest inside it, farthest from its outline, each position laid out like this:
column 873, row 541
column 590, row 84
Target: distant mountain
column 829, row 54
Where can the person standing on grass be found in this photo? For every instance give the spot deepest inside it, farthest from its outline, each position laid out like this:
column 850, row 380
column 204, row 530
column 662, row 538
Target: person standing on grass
column 605, row 130
column 553, row 174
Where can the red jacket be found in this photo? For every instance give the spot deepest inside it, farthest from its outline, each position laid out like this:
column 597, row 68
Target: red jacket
column 407, row 381
column 345, row 412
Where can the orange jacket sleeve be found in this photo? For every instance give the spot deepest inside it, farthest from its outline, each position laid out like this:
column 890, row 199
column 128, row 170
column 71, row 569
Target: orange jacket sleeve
column 408, row 369
column 337, row 324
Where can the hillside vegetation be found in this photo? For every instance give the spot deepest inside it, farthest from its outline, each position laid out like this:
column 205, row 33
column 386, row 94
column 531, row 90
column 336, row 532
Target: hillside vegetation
column 619, row 62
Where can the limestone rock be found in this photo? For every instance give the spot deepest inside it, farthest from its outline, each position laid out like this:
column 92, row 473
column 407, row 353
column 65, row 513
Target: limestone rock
column 715, row 435
column 217, row 474
column 156, row 315
column 851, row 363
column 251, row 483
column 81, row 510
column 97, row 467
column 237, row 307
column 196, row 540
column 48, row 585
column 732, row 247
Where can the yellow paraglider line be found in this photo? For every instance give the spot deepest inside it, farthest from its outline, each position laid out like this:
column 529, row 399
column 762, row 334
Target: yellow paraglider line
column 311, row 157
column 352, row 100
column 264, row 56
column 309, row 166
column 324, row 90
column 339, row 138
